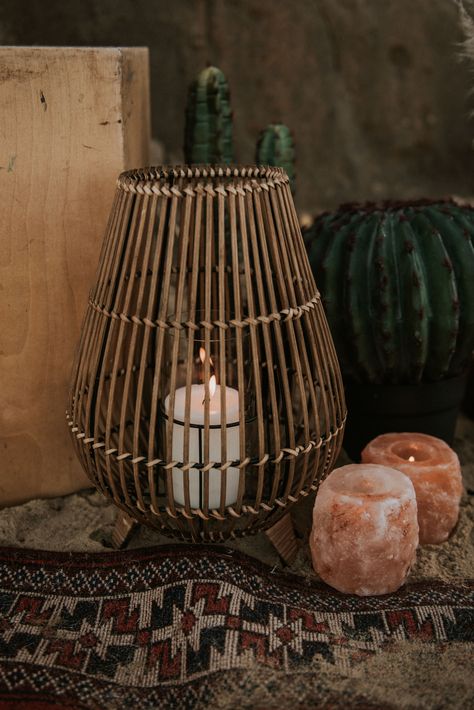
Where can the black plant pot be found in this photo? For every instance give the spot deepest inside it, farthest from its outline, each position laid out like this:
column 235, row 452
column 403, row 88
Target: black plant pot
column 378, row 409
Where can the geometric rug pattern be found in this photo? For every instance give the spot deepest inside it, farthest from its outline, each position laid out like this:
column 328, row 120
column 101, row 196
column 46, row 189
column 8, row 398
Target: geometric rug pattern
column 163, row 627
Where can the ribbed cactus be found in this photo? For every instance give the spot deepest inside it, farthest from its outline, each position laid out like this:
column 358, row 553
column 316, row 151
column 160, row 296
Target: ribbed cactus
column 275, row 147
column 208, row 128
column 397, row 283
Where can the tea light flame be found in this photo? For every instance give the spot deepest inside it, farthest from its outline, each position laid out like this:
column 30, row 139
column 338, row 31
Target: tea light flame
column 411, row 458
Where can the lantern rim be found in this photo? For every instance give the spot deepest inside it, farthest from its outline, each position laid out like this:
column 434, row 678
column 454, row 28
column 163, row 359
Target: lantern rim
column 173, row 176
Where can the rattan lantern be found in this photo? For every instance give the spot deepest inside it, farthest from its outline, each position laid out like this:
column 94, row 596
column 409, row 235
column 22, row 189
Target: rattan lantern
column 206, row 397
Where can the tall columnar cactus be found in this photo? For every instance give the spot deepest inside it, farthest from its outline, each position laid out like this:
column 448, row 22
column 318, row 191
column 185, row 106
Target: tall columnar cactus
column 275, row 147
column 208, row 128
column 397, row 283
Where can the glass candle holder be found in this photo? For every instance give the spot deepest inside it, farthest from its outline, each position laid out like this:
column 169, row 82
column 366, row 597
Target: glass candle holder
column 433, row 468
column 204, row 412
column 365, row 529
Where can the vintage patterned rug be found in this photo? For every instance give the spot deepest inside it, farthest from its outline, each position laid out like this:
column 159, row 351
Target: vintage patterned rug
column 178, row 627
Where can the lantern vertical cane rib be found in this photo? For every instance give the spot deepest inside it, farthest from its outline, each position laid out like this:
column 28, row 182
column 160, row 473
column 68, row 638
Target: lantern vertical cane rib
column 221, row 277
column 86, row 366
column 321, row 354
column 208, row 256
column 193, row 295
column 169, row 236
column 120, row 326
column 330, row 349
column 294, row 326
column 296, row 335
column 277, row 269
column 190, row 249
column 330, row 404
column 180, row 292
column 266, row 275
column 332, row 452
column 204, row 470
column 239, row 345
column 336, row 382
column 130, row 339
column 262, row 220
column 160, row 207
column 315, row 316
column 266, row 332
column 102, row 342
column 137, row 334
column 253, row 349
column 108, row 245
column 119, row 216
column 147, row 334
column 87, row 343
column 103, row 401
column 182, row 218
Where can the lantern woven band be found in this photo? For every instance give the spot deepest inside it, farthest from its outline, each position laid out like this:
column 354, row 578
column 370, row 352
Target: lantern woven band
column 283, row 454
column 203, row 276
column 284, row 315
column 212, row 514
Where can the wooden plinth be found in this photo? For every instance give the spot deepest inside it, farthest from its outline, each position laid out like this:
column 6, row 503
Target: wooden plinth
column 71, row 120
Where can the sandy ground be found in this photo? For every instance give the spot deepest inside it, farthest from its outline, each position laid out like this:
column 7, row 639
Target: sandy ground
column 407, row 674
column 84, row 521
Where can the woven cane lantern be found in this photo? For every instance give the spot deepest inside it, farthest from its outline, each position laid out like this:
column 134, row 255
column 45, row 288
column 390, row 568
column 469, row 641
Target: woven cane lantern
column 206, row 397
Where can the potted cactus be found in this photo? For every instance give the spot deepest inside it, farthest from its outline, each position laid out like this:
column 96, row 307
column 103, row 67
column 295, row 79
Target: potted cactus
column 275, row 147
column 397, row 282
column 208, row 128
column 208, row 123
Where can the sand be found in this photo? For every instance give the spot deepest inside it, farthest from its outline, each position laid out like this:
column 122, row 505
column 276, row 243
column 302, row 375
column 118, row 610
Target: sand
column 406, row 675
column 84, row 522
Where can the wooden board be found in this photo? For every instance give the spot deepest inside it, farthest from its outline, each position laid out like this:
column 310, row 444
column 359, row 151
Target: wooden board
column 71, row 119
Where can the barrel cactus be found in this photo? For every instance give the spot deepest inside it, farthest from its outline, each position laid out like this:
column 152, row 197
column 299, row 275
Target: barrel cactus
column 208, row 125
column 275, row 147
column 397, row 282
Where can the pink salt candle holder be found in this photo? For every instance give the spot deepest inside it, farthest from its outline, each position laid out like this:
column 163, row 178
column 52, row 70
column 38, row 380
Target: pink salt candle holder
column 365, row 529
column 433, row 468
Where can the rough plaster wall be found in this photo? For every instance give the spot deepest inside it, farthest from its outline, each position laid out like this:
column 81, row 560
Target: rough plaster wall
column 372, row 89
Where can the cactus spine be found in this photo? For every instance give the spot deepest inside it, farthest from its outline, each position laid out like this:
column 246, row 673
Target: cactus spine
column 397, row 282
column 275, row 147
column 208, row 125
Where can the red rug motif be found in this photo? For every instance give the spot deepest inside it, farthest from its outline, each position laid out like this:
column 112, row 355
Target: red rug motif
column 161, row 627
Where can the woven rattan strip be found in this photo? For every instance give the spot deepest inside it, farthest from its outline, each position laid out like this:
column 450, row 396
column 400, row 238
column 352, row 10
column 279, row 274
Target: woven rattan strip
column 206, row 397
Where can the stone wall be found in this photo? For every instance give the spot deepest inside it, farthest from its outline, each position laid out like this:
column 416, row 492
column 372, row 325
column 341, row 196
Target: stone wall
column 373, row 90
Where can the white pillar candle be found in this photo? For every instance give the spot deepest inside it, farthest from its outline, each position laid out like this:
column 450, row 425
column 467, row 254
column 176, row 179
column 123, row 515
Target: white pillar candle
column 196, row 444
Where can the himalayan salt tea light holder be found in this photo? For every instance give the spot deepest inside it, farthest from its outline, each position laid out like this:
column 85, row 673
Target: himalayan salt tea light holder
column 365, row 529
column 433, row 468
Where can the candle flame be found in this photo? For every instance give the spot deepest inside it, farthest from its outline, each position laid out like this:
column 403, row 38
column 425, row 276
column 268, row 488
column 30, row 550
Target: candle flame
column 411, row 458
column 203, row 356
column 212, row 381
column 212, row 386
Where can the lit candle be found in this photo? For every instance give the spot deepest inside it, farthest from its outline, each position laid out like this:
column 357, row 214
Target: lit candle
column 198, row 395
column 365, row 530
column 435, row 472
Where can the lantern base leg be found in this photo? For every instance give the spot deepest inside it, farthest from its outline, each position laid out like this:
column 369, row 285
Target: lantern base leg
column 283, row 538
column 281, row 535
column 122, row 532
